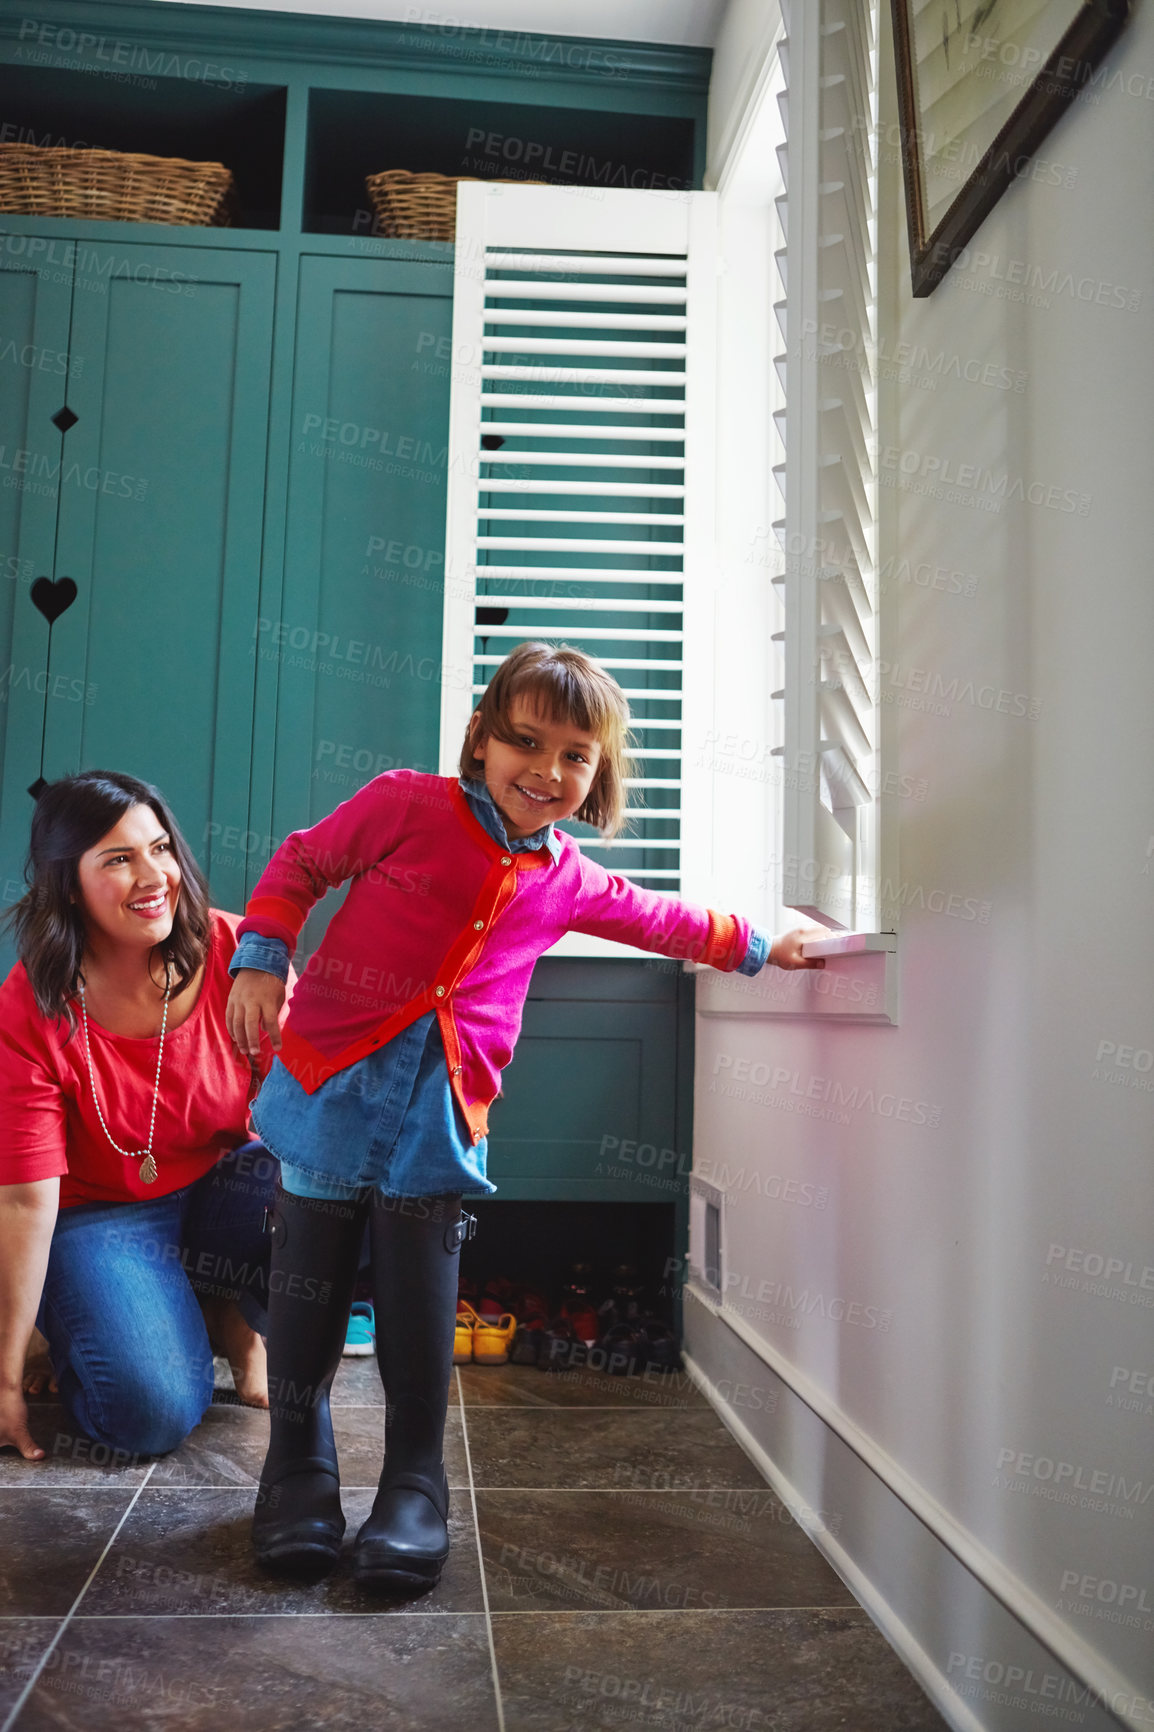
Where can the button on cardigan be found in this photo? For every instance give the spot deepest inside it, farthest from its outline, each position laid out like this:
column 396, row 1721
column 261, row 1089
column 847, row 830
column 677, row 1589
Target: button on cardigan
column 440, row 917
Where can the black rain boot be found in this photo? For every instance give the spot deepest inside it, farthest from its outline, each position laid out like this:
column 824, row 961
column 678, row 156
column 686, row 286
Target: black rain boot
column 298, row 1524
column 416, row 1251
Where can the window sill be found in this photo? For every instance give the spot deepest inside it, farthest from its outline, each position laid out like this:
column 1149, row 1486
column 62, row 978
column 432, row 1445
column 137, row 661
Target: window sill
column 859, row 984
column 852, row 944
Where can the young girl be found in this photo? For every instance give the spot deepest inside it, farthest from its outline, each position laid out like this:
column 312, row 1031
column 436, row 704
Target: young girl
column 392, row 1054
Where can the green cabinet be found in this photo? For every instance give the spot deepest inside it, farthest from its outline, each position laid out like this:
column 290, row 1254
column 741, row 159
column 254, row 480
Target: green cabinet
column 357, row 640
column 35, row 299
column 596, row 1106
column 152, row 501
column 346, row 643
column 588, row 1080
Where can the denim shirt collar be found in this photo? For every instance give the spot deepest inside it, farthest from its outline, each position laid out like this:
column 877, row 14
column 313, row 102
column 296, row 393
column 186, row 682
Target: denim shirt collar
column 488, row 814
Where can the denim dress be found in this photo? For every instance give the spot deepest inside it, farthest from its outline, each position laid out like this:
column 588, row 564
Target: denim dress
column 390, row 1122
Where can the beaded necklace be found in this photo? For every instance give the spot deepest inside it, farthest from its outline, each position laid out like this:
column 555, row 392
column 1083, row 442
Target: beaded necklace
column 147, row 1165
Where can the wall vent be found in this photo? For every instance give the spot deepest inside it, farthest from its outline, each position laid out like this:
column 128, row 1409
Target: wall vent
column 706, row 1236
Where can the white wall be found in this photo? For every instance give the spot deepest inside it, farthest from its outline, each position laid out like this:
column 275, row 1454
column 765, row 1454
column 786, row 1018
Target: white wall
column 748, row 27
column 691, row 22
column 963, row 1346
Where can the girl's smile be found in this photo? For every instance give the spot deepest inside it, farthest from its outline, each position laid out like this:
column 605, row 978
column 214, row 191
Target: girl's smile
column 543, row 774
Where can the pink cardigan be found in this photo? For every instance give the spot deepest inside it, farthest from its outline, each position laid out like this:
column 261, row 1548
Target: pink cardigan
column 439, row 917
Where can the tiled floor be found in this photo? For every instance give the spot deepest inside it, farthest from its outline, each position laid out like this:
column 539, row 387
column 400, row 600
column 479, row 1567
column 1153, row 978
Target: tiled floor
column 617, row 1562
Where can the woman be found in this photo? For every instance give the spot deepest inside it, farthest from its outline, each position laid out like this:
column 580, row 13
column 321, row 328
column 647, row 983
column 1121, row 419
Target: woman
column 126, row 1199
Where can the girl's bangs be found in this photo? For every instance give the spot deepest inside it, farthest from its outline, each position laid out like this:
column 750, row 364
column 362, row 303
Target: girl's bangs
column 565, row 693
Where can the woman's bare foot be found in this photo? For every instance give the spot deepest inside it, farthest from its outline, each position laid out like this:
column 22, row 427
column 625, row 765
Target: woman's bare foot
column 241, row 1346
column 39, row 1377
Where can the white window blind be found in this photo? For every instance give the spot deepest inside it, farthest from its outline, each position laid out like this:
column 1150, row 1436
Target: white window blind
column 827, row 316
column 580, row 478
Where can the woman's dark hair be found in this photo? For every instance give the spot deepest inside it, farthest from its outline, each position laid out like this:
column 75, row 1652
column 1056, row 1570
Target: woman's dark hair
column 70, row 818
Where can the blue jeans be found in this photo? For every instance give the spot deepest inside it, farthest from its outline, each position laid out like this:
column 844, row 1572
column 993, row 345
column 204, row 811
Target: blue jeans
column 125, row 1333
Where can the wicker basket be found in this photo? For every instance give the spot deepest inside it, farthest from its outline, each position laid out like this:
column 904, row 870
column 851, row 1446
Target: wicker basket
column 420, row 206
column 113, row 186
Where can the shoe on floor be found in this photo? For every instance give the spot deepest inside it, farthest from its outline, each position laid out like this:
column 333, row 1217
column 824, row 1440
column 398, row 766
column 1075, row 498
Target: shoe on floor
column 625, row 1348
column 662, row 1352
column 492, row 1338
column 562, row 1348
column 528, row 1342
column 402, row 1547
column 467, row 1321
column 361, row 1335
column 584, row 1320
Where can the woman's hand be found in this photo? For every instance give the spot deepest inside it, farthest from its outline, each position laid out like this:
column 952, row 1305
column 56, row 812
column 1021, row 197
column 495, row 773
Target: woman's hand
column 785, row 951
column 254, row 1003
column 14, row 1425
column 27, row 1219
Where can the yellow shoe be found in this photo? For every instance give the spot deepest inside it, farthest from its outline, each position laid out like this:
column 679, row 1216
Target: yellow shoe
column 493, row 1339
column 467, row 1321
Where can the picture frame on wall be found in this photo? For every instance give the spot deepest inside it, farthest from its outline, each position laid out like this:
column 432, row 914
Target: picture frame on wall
column 980, row 84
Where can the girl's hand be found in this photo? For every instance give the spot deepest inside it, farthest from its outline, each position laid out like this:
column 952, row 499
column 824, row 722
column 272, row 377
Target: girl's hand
column 785, row 951
column 14, row 1425
column 255, row 1003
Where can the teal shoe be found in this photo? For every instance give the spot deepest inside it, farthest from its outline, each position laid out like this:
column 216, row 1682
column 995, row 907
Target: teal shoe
column 361, row 1336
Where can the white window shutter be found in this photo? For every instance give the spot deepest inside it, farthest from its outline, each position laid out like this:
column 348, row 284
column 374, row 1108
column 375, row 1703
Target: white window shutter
column 580, row 499
column 827, row 315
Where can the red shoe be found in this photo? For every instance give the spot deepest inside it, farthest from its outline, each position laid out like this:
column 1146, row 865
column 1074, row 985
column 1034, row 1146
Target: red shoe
column 583, row 1321
column 498, row 1297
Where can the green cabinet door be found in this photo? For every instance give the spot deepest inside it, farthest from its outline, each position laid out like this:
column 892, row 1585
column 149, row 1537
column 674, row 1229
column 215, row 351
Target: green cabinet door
column 35, row 296
column 357, row 640
column 587, row 1082
column 162, row 496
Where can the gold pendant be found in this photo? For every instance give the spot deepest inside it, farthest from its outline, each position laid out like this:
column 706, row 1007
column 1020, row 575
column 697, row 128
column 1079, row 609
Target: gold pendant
column 148, row 1170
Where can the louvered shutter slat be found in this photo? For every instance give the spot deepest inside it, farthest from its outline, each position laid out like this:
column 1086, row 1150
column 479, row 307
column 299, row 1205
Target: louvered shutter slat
column 498, row 261
column 635, row 404
column 558, row 319
column 579, row 346
column 529, row 543
column 616, row 489
column 583, row 459
column 564, row 573
column 602, row 604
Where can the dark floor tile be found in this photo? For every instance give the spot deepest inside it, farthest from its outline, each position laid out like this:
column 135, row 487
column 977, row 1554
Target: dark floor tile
column 583, row 1449
column 361, row 1432
column 22, row 1645
column 188, row 1552
column 52, row 1539
column 267, row 1675
column 825, row 1671
column 71, row 1459
column 229, row 1445
column 597, row 1550
column 525, row 1386
column 358, row 1384
column 226, row 1448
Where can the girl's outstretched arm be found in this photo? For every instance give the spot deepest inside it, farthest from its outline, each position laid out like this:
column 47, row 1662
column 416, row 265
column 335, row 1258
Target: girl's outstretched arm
column 609, row 906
